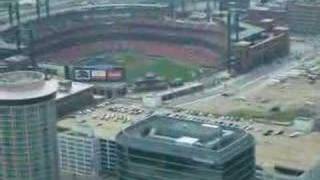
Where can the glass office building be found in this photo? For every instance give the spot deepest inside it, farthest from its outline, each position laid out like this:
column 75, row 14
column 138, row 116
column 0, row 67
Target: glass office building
column 163, row 148
column 27, row 127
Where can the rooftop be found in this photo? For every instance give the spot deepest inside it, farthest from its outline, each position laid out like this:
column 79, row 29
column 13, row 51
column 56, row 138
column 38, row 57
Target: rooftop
column 166, row 129
column 17, row 58
column 179, row 137
column 76, row 87
column 247, row 30
column 184, row 87
column 22, row 85
column 100, row 122
column 104, row 129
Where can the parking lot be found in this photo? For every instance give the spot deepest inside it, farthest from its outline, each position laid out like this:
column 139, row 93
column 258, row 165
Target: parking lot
column 108, row 109
column 108, row 115
column 275, row 145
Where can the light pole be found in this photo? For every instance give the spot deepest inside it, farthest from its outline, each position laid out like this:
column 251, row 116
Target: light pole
column 29, row 44
column 208, row 10
column 10, row 13
column 229, row 41
column 172, row 7
column 183, row 6
column 233, row 21
column 38, row 8
column 30, row 48
column 18, row 33
column 47, row 5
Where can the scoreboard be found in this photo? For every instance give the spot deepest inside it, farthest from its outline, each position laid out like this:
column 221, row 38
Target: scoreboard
column 99, row 73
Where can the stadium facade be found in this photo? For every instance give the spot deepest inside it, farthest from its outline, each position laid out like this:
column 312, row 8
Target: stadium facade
column 163, row 148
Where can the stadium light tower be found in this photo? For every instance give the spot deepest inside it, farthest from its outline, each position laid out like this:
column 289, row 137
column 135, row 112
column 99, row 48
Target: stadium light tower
column 30, row 48
column 183, row 6
column 38, row 8
column 29, row 44
column 208, row 10
column 47, row 5
column 17, row 11
column 233, row 20
column 172, row 7
column 47, row 8
column 10, row 13
column 229, row 42
column 18, row 33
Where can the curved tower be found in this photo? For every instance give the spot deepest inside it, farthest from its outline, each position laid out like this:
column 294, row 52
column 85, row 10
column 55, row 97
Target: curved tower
column 27, row 127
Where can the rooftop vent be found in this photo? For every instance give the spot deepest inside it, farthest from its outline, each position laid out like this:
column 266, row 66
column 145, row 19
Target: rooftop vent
column 65, row 86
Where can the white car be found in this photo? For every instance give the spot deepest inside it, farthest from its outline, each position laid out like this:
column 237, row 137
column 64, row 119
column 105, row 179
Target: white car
column 295, row 134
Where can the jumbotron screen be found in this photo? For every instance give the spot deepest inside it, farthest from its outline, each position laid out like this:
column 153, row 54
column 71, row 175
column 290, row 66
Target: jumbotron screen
column 105, row 73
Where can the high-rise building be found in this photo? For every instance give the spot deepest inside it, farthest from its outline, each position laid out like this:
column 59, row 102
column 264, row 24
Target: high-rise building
column 164, row 148
column 27, row 127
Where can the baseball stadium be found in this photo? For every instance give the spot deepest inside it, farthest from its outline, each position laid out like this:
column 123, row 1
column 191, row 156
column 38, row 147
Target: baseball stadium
column 140, row 38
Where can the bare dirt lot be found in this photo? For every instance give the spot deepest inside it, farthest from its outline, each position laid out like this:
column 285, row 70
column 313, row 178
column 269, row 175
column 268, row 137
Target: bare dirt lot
column 300, row 152
column 272, row 100
column 276, row 98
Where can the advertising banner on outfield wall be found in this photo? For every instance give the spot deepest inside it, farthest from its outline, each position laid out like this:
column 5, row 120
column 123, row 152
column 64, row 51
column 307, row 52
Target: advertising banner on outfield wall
column 103, row 73
column 82, row 74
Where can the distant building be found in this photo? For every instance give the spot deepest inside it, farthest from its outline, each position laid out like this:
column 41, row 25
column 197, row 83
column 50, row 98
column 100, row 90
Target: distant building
column 111, row 89
column 304, row 124
column 257, row 14
column 87, row 144
column 15, row 63
column 157, row 98
column 167, row 148
column 27, row 127
column 242, row 4
column 150, row 82
column 304, row 16
column 79, row 151
column 264, row 48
